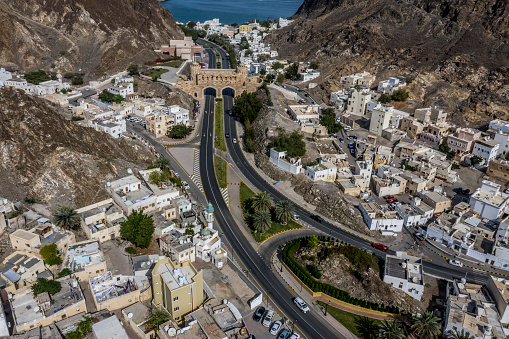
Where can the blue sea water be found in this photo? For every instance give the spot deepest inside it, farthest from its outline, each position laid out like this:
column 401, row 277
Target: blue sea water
column 230, row 11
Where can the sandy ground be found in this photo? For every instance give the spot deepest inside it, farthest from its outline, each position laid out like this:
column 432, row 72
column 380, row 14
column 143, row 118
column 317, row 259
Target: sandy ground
column 185, row 156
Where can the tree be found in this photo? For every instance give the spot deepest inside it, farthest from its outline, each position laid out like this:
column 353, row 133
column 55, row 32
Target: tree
column 474, row 160
column 261, row 221
column 312, row 241
column 366, row 327
column 49, row 254
column 138, row 229
column 179, row 131
column 64, row 273
column 263, row 71
column 455, row 334
column 132, row 69
column 157, row 318
column 390, row 330
column 262, row 201
column 270, row 78
column 293, row 72
column 385, row 99
column 66, row 217
column 162, row 163
column 155, row 177
column 244, row 44
column 280, row 78
column 292, row 143
column 329, row 120
column 426, row 326
column 36, row 77
column 191, row 24
column 42, row 285
column 247, row 106
column 77, row 80
column 314, row 65
column 444, row 148
column 400, row 95
column 277, row 65
column 284, row 211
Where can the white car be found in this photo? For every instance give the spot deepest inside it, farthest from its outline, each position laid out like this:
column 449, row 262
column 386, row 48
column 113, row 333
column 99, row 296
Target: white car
column 456, row 263
column 185, row 185
column 294, row 336
column 301, row 304
column 268, row 318
column 275, row 327
column 234, row 140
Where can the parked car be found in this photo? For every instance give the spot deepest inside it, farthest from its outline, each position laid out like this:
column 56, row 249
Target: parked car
column 456, row 263
column 268, row 318
column 393, row 200
column 380, row 246
column 294, row 336
column 296, row 217
column 351, row 145
column 316, row 218
column 369, row 200
column 388, row 197
column 185, row 185
column 343, row 140
column 301, row 304
column 275, row 327
column 284, row 334
column 506, row 191
column 259, row 313
column 234, row 140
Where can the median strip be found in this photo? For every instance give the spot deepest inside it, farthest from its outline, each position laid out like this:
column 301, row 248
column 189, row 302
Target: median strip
column 219, row 141
column 221, row 171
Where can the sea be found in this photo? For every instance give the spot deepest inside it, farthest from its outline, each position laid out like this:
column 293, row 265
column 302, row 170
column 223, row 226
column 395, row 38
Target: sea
column 230, row 11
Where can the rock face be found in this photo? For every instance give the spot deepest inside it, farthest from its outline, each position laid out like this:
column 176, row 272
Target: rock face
column 89, row 36
column 464, row 43
column 171, row 95
column 48, row 158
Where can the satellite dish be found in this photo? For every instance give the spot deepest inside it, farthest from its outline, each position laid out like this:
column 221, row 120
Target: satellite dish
column 130, row 315
column 172, row 332
column 36, row 309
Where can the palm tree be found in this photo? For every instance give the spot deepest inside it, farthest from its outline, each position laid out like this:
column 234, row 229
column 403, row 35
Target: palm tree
column 426, row 326
column 261, row 221
column 262, row 202
column 366, row 327
column 284, row 211
column 66, row 217
column 162, row 163
column 389, row 329
column 455, row 334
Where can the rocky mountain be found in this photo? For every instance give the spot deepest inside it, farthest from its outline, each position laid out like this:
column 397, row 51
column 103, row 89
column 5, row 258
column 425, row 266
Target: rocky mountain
column 89, row 36
column 46, row 157
column 457, row 50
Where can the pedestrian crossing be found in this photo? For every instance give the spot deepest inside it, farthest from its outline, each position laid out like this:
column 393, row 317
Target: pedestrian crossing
column 226, row 196
column 195, row 177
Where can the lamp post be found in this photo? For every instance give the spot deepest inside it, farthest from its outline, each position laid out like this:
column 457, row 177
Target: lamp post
column 326, row 308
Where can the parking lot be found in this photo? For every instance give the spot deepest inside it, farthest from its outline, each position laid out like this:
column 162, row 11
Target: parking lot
column 261, row 332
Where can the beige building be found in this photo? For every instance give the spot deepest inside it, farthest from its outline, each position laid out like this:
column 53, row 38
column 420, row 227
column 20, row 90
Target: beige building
column 159, row 122
column 101, row 221
column 136, row 316
column 499, row 168
column 462, row 141
column 31, row 311
column 85, row 259
column 430, row 115
column 177, row 287
column 40, row 236
column 19, row 271
column 412, row 127
column 24, row 240
column 111, row 292
column 380, row 120
column 439, row 202
column 358, row 102
column 179, row 249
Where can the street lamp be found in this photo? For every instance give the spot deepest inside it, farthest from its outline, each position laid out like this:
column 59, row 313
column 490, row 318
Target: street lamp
column 326, row 308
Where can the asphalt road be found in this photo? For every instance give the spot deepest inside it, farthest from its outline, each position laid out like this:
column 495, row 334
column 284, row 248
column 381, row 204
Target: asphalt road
column 259, row 268
column 210, row 52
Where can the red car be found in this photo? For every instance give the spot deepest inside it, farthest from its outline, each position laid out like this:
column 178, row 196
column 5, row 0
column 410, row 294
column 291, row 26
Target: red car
column 389, row 197
column 381, row 247
column 390, row 201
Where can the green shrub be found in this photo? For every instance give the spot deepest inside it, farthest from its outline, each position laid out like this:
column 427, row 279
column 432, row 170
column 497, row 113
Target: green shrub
column 130, row 250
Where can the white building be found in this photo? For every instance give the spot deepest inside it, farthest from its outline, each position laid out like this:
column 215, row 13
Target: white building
column 500, row 125
column 114, row 126
column 358, row 102
column 123, row 89
column 405, row 272
column 309, row 75
column 410, row 214
column 486, row 149
column 380, row 218
column 324, row 171
column 488, row 201
column 503, row 141
column 22, row 84
column 390, row 85
column 284, row 22
column 380, row 120
column 293, row 166
column 181, row 115
column 208, row 243
column 4, row 76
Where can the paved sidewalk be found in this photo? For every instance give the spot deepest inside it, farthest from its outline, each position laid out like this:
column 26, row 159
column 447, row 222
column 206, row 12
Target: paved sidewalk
column 185, row 157
column 285, row 188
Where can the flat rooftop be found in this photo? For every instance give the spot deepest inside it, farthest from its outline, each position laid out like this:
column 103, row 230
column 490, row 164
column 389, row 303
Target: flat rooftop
column 208, row 324
column 404, row 268
column 25, row 235
column 107, row 286
column 109, row 328
column 108, row 208
column 490, row 199
column 134, row 197
column 176, row 277
column 131, row 179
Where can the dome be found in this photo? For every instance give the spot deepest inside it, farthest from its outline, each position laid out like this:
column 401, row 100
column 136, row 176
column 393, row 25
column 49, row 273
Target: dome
column 205, row 231
column 210, row 209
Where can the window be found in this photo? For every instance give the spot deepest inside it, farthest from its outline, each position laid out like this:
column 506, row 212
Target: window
column 97, row 271
column 177, row 318
column 176, row 299
column 176, row 309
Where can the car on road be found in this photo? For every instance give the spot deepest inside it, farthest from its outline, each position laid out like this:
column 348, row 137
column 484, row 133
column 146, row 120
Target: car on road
column 351, row 145
column 388, row 197
column 380, row 246
column 227, row 134
column 316, row 218
column 284, row 334
column 234, row 140
column 176, row 174
column 268, row 318
column 296, row 217
column 275, row 327
column 185, row 185
column 393, row 200
column 294, row 336
column 259, row 313
column 301, row 304
column 456, row 263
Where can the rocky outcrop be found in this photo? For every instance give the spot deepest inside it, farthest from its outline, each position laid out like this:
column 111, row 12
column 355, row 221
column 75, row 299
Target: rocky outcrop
column 464, row 43
column 89, row 36
column 171, row 95
column 49, row 158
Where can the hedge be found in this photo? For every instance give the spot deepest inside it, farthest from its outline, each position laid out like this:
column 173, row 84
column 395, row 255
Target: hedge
column 317, row 286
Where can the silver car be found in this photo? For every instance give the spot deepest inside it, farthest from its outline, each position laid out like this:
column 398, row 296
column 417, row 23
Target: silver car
column 268, row 318
column 275, row 327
